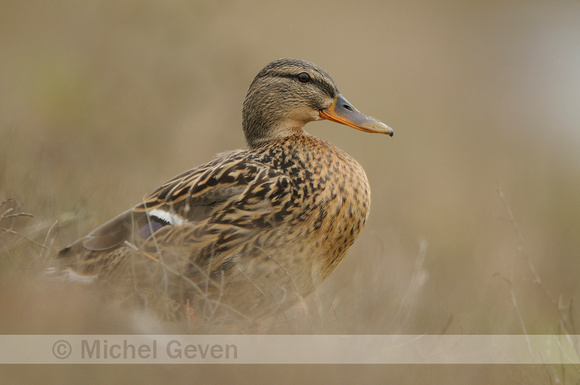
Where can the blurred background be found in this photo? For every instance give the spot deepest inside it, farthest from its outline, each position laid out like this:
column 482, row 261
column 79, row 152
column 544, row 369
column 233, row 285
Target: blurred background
column 475, row 221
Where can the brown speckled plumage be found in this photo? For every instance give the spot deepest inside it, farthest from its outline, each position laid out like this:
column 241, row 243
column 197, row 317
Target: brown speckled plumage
column 251, row 231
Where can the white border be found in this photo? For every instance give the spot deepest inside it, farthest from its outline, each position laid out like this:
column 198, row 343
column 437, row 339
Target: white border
column 289, row 349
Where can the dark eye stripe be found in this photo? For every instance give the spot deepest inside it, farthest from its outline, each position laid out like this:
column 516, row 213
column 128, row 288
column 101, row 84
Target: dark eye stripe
column 328, row 88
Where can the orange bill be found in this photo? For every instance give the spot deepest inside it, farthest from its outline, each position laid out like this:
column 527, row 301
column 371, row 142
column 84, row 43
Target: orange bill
column 341, row 111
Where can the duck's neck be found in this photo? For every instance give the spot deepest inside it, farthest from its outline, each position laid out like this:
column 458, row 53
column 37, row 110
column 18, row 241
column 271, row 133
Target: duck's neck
column 284, row 128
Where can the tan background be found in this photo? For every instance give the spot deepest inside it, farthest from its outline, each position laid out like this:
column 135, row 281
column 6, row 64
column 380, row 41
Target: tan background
column 101, row 101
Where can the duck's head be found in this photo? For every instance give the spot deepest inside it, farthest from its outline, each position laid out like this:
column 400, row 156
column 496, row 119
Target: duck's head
column 288, row 93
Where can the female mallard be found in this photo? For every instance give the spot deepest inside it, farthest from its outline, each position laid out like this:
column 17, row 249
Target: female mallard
column 253, row 230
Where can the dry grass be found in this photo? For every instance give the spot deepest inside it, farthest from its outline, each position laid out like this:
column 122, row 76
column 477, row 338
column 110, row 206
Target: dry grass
column 100, row 102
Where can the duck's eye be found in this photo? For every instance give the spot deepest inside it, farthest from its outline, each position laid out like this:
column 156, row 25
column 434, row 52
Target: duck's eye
column 303, row 77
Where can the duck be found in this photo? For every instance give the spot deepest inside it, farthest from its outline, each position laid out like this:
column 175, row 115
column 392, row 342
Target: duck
column 251, row 232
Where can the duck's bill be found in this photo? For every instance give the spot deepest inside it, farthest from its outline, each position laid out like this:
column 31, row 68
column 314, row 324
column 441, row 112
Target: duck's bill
column 341, row 111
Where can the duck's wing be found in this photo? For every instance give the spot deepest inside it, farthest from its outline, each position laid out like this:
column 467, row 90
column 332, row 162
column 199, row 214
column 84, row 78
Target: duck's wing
column 193, row 197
